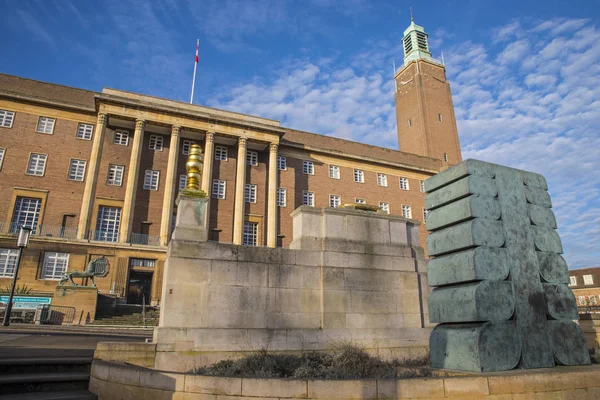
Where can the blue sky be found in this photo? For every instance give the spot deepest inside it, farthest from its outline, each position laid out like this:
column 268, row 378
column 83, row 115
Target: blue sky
column 525, row 76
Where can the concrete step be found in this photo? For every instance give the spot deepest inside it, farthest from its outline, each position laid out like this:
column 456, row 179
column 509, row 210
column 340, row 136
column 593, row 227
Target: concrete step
column 61, row 395
column 43, row 382
column 24, row 366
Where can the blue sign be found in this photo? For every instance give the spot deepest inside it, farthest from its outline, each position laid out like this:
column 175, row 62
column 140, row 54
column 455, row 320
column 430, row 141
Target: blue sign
column 25, row 302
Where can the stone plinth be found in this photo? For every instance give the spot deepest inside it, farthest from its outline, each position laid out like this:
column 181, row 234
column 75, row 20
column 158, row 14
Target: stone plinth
column 191, row 214
column 353, row 275
column 83, row 298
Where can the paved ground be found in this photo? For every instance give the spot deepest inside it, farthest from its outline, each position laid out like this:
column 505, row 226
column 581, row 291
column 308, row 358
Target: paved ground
column 21, row 343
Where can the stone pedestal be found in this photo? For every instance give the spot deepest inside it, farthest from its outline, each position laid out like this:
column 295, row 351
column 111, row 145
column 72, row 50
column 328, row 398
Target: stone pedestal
column 191, row 216
column 83, row 298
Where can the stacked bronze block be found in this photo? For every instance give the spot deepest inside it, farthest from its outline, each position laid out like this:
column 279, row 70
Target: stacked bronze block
column 501, row 297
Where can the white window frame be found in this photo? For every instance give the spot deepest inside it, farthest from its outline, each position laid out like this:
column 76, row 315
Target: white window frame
column 422, row 186
column 108, row 223
column 250, row 193
column 440, row 118
column 382, row 179
column 219, row 189
column 55, row 266
column 425, row 212
column 406, row 211
column 151, row 179
column 252, row 158
column 446, row 157
column 281, row 163
column 404, row 184
column 45, row 125
column 282, row 197
column 572, row 281
column 117, row 171
column 84, row 131
column 221, row 153
column 588, row 279
column 182, row 181
column 6, row 115
column 581, row 300
column 335, row 200
column 26, row 213
column 186, row 146
column 2, row 152
column 8, row 262
column 308, row 167
column 409, row 122
column 308, row 198
column 384, row 206
column 334, row 171
column 155, row 143
column 76, row 170
column 121, row 138
column 35, row 161
column 360, row 200
column 250, row 234
column 359, row 175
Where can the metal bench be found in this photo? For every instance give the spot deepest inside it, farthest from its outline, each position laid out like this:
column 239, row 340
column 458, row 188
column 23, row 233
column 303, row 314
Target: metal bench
column 95, row 268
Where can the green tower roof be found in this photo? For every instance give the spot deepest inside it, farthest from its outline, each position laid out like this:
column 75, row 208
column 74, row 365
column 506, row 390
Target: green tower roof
column 415, row 43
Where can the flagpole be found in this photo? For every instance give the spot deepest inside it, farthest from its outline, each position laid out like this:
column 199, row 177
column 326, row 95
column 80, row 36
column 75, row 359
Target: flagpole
column 195, row 65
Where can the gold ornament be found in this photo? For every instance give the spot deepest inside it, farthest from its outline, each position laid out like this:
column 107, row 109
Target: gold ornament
column 193, row 166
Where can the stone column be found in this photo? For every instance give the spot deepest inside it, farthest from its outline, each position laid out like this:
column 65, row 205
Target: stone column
column 272, row 197
column 206, row 184
column 93, row 166
column 132, row 178
column 240, row 183
column 170, row 179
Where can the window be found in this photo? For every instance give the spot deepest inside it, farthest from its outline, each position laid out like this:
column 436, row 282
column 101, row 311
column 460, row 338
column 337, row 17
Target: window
column 151, row 180
column 142, row 262
column 382, row 179
column 84, row 131
column 335, row 200
column 156, row 143
column 6, row 118
column 422, row 186
column 26, row 213
column 334, row 172
column 250, row 237
column 250, row 193
column 281, row 163
column 439, row 117
column 221, row 153
column 404, row 183
column 187, row 145
column 282, row 197
column 425, row 212
column 409, row 123
column 588, row 280
column 406, row 213
column 55, row 265
column 218, row 189
column 572, row 281
column 182, row 181
column 385, row 207
column 45, row 125
column 446, row 157
column 359, row 176
column 308, row 167
column 8, row 262
column 308, row 198
column 581, row 300
column 107, row 224
column 1, row 157
column 251, row 158
column 121, row 138
column 115, row 175
column 77, row 170
column 37, row 164
column 359, row 200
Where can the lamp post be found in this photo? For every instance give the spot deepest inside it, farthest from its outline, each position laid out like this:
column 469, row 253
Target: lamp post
column 22, row 242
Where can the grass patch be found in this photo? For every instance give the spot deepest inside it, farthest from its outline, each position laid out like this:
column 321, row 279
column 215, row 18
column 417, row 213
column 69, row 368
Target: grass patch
column 345, row 361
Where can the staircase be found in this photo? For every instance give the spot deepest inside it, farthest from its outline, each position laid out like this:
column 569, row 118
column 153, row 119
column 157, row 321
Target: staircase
column 47, row 378
column 128, row 314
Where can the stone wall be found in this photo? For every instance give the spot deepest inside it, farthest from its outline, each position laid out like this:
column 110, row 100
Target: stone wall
column 350, row 276
column 117, row 381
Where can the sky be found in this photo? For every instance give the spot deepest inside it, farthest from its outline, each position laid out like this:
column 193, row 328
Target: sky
column 525, row 75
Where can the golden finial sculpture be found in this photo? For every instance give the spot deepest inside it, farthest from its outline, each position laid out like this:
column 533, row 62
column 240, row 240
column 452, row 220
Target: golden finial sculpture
column 193, row 166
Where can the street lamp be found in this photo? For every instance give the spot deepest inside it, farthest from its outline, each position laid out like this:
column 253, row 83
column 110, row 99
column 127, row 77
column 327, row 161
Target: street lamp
column 22, row 242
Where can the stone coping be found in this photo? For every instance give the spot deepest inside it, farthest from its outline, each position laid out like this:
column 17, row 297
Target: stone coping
column 110, row 380
column 350, row 211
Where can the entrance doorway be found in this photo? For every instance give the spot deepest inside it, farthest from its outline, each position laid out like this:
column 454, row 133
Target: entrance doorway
column 139, row 288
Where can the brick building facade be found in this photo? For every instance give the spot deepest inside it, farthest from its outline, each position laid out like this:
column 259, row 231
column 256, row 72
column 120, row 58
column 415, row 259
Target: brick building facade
column 97, row 173
column 585, row 284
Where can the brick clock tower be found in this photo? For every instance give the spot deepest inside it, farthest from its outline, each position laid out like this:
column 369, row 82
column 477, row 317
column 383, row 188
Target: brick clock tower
column 424, row 109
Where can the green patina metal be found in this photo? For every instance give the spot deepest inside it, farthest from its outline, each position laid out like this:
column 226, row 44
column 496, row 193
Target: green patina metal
column 501, row 294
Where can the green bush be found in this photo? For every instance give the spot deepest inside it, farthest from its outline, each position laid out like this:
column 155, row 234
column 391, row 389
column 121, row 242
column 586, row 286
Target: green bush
column 346, row 361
